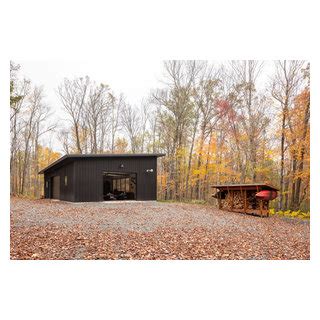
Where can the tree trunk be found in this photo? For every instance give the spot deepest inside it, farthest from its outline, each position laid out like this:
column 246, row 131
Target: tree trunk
column 76, row 127
column 206, row 177
column 301, row 163
column 280, row 207
column 197, row 188
column 293, row 175
column 191, row 152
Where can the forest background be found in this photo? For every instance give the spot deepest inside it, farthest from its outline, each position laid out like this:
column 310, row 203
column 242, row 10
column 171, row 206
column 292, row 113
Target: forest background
column 212, row 120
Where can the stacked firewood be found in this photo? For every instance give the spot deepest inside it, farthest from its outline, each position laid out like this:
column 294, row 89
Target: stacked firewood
column 238, row 200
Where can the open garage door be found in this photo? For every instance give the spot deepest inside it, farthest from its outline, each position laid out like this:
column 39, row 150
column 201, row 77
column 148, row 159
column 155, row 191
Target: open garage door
column 56, row 187
column 119, row 186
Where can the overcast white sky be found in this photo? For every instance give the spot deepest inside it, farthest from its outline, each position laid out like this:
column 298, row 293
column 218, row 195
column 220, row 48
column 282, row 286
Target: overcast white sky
column 133, row 78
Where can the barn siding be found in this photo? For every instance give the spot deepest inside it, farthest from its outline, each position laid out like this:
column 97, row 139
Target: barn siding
column 89, row 180
column 66, row 192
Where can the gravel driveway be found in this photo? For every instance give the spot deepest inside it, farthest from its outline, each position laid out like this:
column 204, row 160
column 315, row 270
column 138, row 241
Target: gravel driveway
column 48, row 229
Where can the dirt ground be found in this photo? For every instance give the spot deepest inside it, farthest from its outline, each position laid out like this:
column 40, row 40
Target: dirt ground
column 48, row 229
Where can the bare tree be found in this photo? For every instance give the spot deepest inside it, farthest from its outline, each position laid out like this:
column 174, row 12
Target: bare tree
column 116, row 107
column 98, row 103
column 286, row 82
column 21, row 90
column 145, row 115
column 131, row 123
column 245, row 75
column 73, row 94
column 175, row 116
column 64, row 138
column 37, row 114
column 206, row 95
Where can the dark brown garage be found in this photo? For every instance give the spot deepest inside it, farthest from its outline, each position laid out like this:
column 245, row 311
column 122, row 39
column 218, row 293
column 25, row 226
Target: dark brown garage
column 102, row 177
column 55, row 182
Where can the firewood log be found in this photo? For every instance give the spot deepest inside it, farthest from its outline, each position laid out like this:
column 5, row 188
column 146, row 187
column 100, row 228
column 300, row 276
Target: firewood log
column 236, row 200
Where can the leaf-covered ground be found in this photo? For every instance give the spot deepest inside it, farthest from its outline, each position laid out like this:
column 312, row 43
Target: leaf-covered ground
column 45, row 229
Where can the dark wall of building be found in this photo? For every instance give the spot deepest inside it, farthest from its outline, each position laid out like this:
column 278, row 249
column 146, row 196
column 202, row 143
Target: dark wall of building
column 89, row 176
column 85, row 177
column 66, row 191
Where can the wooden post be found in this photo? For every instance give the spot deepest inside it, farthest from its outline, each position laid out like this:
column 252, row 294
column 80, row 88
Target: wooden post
column 260, row 204
column 261, row 207
column 232, row 199
column 245, row 201
column 219, row 199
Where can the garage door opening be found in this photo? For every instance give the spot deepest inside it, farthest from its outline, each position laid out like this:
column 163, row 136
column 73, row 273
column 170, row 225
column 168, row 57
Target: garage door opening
column 119, row 186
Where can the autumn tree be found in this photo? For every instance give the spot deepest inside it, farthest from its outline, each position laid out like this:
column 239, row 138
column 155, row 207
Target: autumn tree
column 221, row 123
column 29, row 121
column 175, row 116
column 206, row 95
column 285, row 86
column 250, row 107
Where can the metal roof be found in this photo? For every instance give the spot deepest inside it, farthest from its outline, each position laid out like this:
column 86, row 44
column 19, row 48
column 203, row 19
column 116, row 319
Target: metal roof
column 103, row 155
column 244, row 185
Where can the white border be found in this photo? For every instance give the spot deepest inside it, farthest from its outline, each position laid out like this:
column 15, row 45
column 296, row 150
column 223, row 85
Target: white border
column 159, row 290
